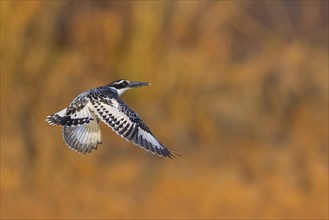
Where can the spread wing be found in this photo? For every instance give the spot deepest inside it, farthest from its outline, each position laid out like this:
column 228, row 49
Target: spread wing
column 83, row 138
column 81, row 131
column 126, row 123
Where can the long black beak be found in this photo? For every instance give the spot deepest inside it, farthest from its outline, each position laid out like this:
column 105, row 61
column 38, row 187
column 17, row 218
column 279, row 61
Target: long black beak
column 138, row 84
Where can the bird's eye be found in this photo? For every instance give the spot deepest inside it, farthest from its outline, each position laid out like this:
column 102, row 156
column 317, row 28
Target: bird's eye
column 125, row 83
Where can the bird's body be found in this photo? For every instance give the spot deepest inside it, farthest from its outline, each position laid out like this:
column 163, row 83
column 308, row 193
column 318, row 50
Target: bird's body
column 80, row 119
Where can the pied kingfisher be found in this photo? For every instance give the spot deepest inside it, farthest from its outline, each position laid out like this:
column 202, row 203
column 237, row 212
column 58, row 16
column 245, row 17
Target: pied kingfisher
column 80, row 119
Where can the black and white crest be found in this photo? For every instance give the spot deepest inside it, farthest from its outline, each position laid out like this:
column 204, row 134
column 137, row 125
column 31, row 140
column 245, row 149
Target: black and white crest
column 80, row 120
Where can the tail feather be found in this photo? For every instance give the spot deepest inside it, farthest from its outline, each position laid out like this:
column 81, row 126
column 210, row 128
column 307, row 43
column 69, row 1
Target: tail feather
column 84, row 116
column 58, row 118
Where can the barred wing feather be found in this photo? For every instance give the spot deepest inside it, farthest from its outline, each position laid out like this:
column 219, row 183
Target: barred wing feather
column 81, row 131
column 83, row 138
column 126, row 123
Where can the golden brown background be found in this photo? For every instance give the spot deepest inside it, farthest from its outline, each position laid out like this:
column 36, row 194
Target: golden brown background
column 239, row 88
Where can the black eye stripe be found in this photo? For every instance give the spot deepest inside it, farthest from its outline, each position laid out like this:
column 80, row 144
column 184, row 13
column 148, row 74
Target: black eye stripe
column 120, row 84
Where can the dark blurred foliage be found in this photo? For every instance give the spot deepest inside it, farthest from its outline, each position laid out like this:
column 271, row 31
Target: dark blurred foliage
column 239, row 88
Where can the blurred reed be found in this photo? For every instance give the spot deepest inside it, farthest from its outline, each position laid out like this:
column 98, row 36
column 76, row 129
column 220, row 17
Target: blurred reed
column 239, row 88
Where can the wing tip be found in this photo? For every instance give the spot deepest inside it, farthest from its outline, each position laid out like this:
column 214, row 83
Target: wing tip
column 170, row 154
column 84, row 151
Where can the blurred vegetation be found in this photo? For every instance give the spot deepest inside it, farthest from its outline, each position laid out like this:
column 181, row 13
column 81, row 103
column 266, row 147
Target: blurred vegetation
column 239, row 88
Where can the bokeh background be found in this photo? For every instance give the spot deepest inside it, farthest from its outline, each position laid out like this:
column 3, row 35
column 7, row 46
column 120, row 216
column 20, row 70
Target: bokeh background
column 239, row 89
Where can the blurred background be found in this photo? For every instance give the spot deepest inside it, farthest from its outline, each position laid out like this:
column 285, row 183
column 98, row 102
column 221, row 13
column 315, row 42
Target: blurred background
column 239, row 89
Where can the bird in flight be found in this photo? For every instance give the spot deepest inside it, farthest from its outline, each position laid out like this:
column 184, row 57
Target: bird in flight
column 80, row 120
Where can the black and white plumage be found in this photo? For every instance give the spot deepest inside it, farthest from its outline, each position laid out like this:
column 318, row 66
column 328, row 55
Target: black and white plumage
column 80, row 120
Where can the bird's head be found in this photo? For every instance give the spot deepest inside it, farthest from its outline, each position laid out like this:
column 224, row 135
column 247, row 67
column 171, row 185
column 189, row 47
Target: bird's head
column 123, row 85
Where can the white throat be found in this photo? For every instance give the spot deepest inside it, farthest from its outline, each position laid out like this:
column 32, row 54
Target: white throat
column 121, row 91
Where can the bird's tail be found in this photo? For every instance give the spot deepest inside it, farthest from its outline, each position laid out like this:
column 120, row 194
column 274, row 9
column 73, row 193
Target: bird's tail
column 58, row 118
